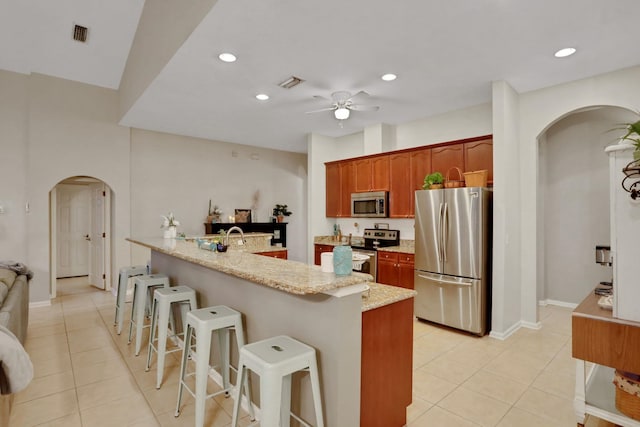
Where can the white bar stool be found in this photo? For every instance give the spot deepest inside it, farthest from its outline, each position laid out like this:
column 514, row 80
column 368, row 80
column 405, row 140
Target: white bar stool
column 142, row 287
column 162, row 301
column 123, row 281
column 221, row 320
column 275, row 360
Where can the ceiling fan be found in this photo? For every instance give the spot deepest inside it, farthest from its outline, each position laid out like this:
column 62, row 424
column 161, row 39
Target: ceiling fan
column 342, row 103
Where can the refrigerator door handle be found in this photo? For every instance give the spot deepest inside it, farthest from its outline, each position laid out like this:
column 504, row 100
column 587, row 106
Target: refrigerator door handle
column 444, row 228
column 447, row 282
column 439, row 248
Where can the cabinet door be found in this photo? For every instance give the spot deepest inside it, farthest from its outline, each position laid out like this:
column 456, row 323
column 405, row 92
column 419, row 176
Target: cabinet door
column 362, row 173
column 420, row 167
column 387, row 268
column 447, row 157
column 333, row 190
column 274, row 254
column 347, row 186
column 478, row 155
column 400, row 191
column 319, row 249
column 406, row 267
column 380, row 173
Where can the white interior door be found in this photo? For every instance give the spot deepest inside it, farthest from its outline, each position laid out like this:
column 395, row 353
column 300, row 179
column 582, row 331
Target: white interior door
column 98, row 244
column 72, row 227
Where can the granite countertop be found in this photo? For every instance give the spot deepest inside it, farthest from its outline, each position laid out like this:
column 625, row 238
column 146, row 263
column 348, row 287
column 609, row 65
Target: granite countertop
column 288, row 276
column 380, row 295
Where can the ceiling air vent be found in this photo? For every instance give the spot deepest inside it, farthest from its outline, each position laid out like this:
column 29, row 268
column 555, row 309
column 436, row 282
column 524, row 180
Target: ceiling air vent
column 291, row 82
column 80, row 33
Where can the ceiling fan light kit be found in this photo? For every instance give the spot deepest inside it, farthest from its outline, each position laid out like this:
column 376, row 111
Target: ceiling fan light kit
column 341, row 113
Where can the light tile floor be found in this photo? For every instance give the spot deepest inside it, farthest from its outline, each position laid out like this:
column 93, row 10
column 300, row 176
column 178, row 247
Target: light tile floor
column 86, row 375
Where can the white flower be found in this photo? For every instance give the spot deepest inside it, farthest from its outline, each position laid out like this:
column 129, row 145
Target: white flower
column 169, row 221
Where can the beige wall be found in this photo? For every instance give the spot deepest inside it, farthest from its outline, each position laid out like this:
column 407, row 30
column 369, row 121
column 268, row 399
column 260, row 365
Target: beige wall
column 13, row 164
column 575, row 189
column 172, row 173
column 53, row 129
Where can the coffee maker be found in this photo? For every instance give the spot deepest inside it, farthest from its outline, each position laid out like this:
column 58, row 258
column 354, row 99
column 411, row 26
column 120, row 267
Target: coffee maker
column 603, row 257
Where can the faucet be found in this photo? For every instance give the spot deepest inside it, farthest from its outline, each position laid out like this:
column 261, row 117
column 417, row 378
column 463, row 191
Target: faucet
column 234, row 228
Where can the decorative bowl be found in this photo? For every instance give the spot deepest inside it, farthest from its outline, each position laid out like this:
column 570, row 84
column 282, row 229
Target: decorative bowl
column 222, row 248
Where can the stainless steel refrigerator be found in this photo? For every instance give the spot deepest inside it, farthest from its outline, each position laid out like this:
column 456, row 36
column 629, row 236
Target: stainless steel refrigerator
column 453, row 257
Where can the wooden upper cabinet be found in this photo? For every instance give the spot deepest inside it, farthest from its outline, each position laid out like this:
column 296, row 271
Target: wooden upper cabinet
column 333, row 190
column 478, row 155
column 447, row 157
column 371, row 174
column 400, row 190
column 380, row 173
column 347, row 186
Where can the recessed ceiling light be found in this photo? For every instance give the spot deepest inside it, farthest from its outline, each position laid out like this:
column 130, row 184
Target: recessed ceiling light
column 262, row 96
column 389, row 77
column 567, row 51
column 227, row 57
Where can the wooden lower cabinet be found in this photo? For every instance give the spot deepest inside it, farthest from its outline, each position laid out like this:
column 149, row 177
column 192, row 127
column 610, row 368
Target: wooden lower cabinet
column 396, row 269
column 387, row 364
column 319, row 249
column 274, row 254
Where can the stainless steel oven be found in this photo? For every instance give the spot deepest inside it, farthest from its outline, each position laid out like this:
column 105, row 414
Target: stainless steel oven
column 369, row 266
column 375, row 238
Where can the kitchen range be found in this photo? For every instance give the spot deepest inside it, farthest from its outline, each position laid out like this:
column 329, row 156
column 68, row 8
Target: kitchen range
column 373, row 239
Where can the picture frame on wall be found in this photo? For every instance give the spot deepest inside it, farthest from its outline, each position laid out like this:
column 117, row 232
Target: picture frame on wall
column 243, row 215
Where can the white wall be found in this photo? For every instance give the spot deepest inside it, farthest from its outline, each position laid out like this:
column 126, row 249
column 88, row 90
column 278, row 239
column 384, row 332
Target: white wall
column 576, row 202
column 172, row 173
column 538, row 110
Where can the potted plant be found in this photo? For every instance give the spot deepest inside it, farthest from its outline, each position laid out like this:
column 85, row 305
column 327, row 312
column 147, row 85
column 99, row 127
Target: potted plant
column 433, row 181
column 633, row 135
column 280, row 211
column 214, row 214
column 169, row 224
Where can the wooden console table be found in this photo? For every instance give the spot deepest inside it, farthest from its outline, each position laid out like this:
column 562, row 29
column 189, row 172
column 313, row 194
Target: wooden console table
column 609, row 343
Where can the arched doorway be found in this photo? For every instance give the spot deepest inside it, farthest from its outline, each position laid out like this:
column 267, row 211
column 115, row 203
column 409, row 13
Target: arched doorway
column 80, row 222
column 573, row 185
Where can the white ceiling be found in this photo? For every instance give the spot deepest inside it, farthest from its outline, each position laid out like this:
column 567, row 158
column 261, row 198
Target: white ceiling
column 445, row 53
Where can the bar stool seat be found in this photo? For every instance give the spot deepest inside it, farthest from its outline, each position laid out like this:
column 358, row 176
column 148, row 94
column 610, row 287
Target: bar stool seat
column 275, row 360
column 203, row 322
column 163, row 299
column 142, row 287
column 123, row 281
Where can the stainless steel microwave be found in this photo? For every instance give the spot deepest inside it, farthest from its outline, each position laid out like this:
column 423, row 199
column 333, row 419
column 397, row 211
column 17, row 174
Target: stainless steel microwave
column 374, row 204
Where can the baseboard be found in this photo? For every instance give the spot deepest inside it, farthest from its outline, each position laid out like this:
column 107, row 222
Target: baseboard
column 506, row 334
column 544, row 303
column 37, row 304
column 531, row 325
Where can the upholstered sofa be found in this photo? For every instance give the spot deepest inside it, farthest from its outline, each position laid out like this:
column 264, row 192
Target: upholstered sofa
column 14, row 302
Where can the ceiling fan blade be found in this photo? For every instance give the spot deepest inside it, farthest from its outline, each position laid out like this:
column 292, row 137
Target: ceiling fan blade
column 358, row 107
column 360, row 95
column 322, row 98
column 321, row 110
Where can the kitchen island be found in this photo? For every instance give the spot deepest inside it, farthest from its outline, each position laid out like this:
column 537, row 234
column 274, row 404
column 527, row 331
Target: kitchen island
column 279, row 297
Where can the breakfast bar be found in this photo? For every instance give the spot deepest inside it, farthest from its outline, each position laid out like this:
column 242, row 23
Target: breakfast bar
column 279, row 297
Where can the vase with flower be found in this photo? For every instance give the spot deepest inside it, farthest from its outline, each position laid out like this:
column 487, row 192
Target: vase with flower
column 170, row 225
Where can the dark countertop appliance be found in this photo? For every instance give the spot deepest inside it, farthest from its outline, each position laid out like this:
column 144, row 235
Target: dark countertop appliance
column 374, row 239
